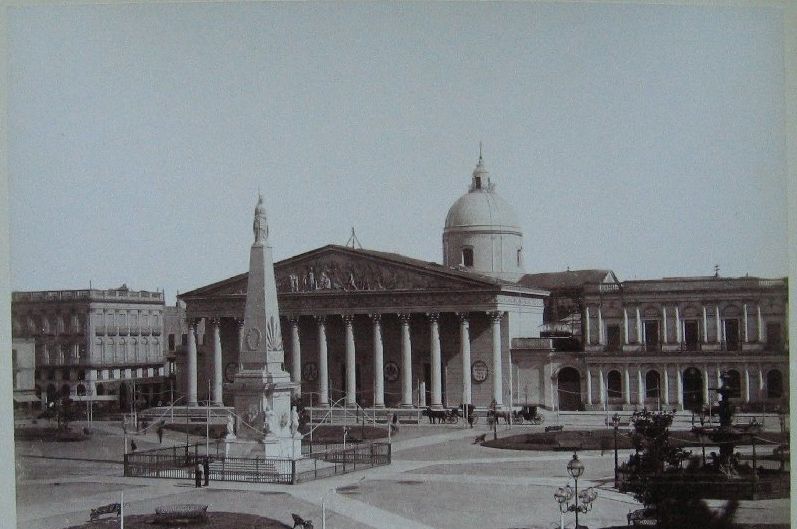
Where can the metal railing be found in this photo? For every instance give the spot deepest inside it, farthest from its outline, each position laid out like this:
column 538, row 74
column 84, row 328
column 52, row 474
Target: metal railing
column 179, row 462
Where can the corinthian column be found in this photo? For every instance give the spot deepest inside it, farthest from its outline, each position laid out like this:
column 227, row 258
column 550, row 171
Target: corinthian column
column 192, row 400
column 434, row 347
column 217, row 359
column 323, row 371
column 296, row 354
column 498, row 380
column 406, row 361
column 379, row 369
column 351, row 373
column 464, row 349
column 666, row 388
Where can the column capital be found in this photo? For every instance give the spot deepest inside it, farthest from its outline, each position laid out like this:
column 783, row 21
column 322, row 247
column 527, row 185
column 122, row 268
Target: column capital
column 376, row 318
column 404, row 317
column 434, row 317
column 495, row 315
column 215, row 322
column 463, row 316
column 348, row 319
column 239, row 322
column 320, row 319
column 293, row 319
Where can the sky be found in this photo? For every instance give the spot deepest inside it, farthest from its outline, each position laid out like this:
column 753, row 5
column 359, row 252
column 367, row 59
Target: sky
column 645, row 139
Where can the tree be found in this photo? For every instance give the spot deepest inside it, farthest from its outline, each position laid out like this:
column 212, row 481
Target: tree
column 655, row 477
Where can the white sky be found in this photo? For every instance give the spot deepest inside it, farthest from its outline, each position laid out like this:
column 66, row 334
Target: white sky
column 645, row 139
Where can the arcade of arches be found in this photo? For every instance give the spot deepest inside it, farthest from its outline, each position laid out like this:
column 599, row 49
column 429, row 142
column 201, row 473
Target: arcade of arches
column 670, row 386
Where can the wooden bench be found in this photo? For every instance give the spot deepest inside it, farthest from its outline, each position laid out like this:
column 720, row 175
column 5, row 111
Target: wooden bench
column 111, row 508
column 298, row 521
column 641, row 518
column 180, row 513
column 555, row 428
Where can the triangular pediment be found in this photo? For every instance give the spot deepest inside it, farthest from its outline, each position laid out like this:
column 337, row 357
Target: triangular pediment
column 339, row 268
column 343, row 269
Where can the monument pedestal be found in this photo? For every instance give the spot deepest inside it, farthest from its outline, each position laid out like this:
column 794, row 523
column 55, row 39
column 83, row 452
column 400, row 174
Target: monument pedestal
column 263, row 405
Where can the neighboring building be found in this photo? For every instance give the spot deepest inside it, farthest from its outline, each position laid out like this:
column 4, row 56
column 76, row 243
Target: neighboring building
column 662, row 343
column 23, row 367
column 93, row 342
column 388, row 330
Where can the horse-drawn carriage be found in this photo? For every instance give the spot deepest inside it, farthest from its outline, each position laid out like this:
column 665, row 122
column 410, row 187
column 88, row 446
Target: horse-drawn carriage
column 447, row 415
column 527, row 413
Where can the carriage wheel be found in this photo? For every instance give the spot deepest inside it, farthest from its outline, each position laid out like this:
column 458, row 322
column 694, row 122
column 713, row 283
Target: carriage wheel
column 518, row 419
column 539, row 419
column 452, row 419
column 475, row 419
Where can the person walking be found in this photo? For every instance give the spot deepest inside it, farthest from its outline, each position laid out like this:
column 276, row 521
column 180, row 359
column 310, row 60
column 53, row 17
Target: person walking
column 160, row 434
column 471, row 410
column 206, row 470
column 133, row 445
column 198, row 475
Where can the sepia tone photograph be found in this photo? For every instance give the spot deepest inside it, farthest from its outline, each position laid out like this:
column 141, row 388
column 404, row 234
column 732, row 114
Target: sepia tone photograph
column 398, row 265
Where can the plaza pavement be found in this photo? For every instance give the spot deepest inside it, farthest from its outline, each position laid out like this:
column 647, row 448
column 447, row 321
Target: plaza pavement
column 438, row 479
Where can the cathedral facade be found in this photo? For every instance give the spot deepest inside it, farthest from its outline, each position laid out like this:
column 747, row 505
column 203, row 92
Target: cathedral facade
column 377, row 329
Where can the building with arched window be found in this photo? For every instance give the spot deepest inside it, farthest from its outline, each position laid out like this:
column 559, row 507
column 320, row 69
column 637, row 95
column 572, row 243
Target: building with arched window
column 478, row 328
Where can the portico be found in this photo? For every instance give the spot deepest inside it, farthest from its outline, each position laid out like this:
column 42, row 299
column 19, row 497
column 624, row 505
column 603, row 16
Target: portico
column 367, row 328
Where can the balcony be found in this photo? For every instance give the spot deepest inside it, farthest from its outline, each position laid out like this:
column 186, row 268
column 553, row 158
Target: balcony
column 156, row 331
column 99, row 330
column 124, row 330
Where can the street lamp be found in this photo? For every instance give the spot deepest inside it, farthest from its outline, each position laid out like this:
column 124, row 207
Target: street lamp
column 576, row 468
column 616, row 425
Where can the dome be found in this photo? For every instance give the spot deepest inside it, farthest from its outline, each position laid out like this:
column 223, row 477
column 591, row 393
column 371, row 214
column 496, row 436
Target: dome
column 481, row 208
column 482, row 232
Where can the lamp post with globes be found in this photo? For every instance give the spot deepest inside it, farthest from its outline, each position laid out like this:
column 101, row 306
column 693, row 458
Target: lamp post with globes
column 563, row 495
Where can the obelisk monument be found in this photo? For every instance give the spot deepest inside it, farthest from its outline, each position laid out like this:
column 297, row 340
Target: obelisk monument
column 261, row 387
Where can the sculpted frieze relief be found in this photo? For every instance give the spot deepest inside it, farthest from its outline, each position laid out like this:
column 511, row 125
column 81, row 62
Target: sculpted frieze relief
column 343, row 273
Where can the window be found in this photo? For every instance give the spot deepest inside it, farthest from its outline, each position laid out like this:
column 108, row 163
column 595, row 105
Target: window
column 613, row 337
column 691, row 333
column 651, row 333
column 774, row 340
column 652, row 385
column 731, row 331
column 735, row 384
column 171, row 342
column 519, row 257
column 478, row 182
column 184, row 340
column 774, row 384
column 614, row 389
column 467, row 256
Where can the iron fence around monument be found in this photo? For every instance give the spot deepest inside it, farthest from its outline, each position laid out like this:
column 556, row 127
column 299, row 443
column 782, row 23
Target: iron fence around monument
column 179, row 462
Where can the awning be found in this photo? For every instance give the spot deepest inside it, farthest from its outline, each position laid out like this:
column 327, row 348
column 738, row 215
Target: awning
column 26, row 398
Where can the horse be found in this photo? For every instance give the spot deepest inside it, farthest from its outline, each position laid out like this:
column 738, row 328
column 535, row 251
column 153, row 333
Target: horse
column 500, row 414
column 436, row 416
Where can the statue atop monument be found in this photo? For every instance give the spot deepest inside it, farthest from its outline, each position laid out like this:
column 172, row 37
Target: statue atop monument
column 260, row 224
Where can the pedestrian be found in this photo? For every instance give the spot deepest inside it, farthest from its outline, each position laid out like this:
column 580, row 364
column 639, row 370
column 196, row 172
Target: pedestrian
column 198, row 475
column 133, row 445
column 394, row 427
column 160, row 434
column 471, row 409
column 206, row 470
